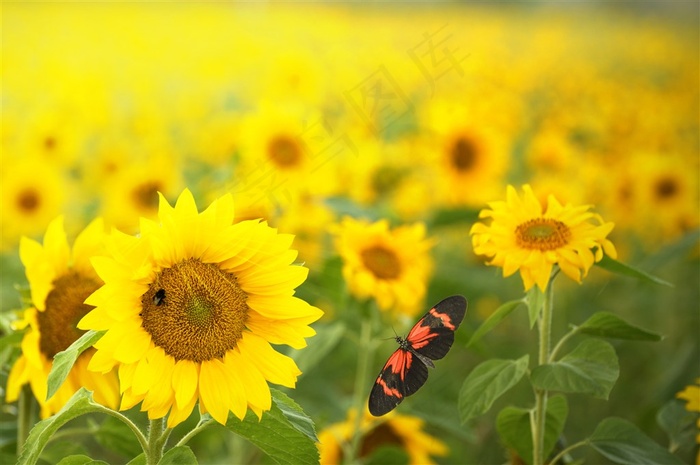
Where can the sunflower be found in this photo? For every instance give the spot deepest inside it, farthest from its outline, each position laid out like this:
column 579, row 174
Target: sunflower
column 403, row 431
column 33, row 193
column 60, row 280
column 521, row 237
column 691, row 394
column 391, row 266
column 191, row 307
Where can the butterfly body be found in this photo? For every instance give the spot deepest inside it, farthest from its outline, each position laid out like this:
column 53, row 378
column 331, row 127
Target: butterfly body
column 407, row 368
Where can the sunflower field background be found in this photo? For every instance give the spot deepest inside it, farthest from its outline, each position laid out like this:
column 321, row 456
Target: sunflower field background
column 340, row 122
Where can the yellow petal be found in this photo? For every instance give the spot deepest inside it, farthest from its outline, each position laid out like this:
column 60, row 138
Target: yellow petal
column 185, row 381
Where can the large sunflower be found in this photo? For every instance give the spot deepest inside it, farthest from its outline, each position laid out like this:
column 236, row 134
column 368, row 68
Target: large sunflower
column 522, row 237
column 391, row 266
column 60, row 280
column 403, row 431
column 191, row 307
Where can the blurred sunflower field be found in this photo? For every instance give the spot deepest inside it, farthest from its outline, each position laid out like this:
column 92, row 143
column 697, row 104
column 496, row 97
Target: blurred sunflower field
column 218, row 217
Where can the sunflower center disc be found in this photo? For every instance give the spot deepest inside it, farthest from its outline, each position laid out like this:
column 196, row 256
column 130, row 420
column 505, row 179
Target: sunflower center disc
column 463, row 154
column 284, row 152
column 542, row 234
column 382, row 435
column 194, row 311
column 64, row 308
column 28, row 200
column 382, row 262
column 146, row 195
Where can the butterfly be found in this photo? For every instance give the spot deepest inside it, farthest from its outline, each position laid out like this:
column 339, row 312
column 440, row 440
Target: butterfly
column 407, row 368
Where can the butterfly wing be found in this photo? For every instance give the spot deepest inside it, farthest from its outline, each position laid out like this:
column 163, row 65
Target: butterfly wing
column 433, row 335
column 402, row 375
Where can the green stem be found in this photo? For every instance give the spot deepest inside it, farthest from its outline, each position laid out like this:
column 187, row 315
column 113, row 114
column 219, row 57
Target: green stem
column 567, row 450
column 25, row 416
column 364, row 353
column 545, row 328
column 562, row 341
column 134, row 429
column 154, row 451
column 197, row 429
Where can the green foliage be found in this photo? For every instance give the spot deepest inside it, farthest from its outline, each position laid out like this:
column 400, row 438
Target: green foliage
column 609, row 325
column 591, row 368
column 63, row 361
column 284, row 433
column 514, row 426
column 178, row 455
column 80, row 460
column 622, row 442
column 492, row 321
column 613, row 266
column 486, row 383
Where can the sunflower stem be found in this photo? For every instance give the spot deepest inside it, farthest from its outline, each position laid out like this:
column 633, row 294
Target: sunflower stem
column 365, row 349
column 154, row 451
column 540, row 412
column 197, row 429
column 25, row 416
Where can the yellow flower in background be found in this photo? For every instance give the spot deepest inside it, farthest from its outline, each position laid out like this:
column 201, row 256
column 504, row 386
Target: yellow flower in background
column 522, row 237
column 33, row 193
column 60, row 279
column 691, row 394
column 403, row 431
column 191, row 307
column 391, row 266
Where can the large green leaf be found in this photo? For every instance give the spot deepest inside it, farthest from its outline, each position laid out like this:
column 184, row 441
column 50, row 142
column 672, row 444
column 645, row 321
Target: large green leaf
column 591, row 368
column 514, row 427
column 486, row 383
column 620, row 268
column 605, row 324
column 679, row 424
column 63, row 361
column 80, row 460
column 80, row 404
column 285, row 433
column 493, row 320
column 622, row 442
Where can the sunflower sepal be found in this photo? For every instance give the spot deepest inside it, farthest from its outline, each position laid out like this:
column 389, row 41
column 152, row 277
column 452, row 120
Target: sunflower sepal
column 63, row 361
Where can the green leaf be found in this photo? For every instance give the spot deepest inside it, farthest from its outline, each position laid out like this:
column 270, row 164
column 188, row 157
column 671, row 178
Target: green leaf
column 454, row 216
column 80, row 460
column 486, row 383
column 591, row 368
column 64, row 360
column 177, row 456
column 679, row 424
column 535, row 302
column 281, row 434
column 138, row 460
column 320, row 345
column 620, row 268
column 605, row 324
column 80, row 404
column 495, row 318
column 622, row 442
column 514, row 427
column 294, row 414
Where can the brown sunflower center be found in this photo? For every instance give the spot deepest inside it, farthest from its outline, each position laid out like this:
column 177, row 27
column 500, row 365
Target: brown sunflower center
column 542, row 234
column 64, row 308
column 382, row 435
column 28, row 200
column 146, row 195
column 382, row 262
column 284, row 152
column 666, row 188
column 194, row 311
column 464, row 154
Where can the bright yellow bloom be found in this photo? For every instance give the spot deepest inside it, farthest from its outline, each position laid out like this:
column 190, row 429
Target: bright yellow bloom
column 393, row 429
column 60, row 280
column 191, row 307
column 390, row 265
column 521, row 236
column 691, row 394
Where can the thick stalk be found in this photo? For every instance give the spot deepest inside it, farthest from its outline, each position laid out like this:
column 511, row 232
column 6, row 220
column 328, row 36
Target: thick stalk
column 24, row 419
column 154, row 451
column 538, row 423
